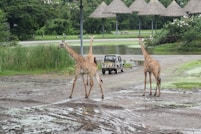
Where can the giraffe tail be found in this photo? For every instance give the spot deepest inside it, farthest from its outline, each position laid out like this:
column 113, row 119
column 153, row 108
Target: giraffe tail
column 98, row 78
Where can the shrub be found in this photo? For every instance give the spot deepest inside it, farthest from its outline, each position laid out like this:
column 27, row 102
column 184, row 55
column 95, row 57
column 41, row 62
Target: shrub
column 186, row 30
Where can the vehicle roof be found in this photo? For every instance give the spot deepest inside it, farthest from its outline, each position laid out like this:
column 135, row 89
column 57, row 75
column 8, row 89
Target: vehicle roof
column 112, row 55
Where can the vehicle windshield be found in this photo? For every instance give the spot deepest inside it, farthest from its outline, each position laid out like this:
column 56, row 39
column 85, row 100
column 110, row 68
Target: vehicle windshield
column 110, row 58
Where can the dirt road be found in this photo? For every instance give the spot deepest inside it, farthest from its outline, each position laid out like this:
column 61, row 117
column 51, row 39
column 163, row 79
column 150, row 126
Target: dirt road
column 40, row 104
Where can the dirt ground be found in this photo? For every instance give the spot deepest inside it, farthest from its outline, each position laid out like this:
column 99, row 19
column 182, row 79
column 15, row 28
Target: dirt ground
column 40, row 103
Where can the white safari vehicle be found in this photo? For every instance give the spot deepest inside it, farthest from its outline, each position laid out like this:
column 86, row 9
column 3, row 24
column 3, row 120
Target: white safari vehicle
column 112, row 63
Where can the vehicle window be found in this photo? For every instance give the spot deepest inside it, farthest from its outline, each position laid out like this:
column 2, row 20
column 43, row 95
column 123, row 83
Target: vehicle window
column 119, row 58
column 110, row 58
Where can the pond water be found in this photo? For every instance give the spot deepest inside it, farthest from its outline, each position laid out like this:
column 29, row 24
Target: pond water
column 117, row 49
column 128, row 50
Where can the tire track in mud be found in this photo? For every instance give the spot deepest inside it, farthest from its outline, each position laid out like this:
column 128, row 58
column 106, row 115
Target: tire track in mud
column 75, row 116
column 65, row 117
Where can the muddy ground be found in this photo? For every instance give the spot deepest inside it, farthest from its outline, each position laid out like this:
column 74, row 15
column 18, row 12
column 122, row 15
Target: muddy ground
column 40, row 104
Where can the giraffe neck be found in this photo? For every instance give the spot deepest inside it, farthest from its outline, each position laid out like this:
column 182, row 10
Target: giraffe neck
column 146, row 55
column 90, row 48
column 73, row 54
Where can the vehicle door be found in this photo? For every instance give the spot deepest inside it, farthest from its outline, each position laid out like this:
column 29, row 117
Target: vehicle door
column 119, row 62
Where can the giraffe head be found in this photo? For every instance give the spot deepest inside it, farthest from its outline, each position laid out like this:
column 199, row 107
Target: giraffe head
column 92, row 38
column 140, row 40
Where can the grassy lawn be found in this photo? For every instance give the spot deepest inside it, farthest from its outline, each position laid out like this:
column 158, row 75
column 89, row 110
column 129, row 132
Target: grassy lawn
column 187, row 77
column 122, row 34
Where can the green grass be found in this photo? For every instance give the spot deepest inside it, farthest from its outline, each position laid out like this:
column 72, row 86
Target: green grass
column 131, row 34
column 175, row 48
column 33, row 60
column 132, row 44
column 186, row 77
column 189, row 66
column 187, row 85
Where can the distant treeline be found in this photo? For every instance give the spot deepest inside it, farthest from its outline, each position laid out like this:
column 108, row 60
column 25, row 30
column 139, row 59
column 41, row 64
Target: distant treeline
column 22, row 20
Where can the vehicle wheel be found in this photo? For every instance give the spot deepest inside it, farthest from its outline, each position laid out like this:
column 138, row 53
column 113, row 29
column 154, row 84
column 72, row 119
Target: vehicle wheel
column 103, row 71
column 115, row 71
column 122, row 70
column 110, row 72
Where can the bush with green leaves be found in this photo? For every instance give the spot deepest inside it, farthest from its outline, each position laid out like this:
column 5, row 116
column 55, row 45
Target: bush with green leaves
column 185, row 30
column 193, row 35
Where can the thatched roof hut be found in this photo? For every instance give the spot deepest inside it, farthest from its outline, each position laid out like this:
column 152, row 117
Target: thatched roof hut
column 196, row 9
column 98, row 12
column 117, row 7
column 137, row 5
column 154, row 7
column 190, row 5
column 174, row 10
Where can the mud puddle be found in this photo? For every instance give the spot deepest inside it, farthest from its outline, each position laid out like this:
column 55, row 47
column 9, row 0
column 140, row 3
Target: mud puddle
column 124, row 111
column 71, row 116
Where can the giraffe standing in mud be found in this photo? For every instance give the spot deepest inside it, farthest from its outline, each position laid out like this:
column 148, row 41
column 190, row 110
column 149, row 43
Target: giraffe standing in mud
column 151, row 66
column 83, row 67
column 90, row 57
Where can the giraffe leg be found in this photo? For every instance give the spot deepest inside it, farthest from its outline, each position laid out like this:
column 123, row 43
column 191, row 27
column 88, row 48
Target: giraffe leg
column 159, row 91
column 85, row 85
column 100, row 84
column 150, row 83
column 91, row 85
column 159, row 87
column 73, row 86
column 145, row 80
column 156, row 91
column 87, row 79
column 156, row 88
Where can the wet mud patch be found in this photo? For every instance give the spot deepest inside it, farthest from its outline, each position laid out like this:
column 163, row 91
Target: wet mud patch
column 66, row 117
column 17, row 100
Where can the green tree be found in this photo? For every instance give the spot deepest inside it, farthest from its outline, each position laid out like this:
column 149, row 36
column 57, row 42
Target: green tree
column 25, row 17
column 4, row 28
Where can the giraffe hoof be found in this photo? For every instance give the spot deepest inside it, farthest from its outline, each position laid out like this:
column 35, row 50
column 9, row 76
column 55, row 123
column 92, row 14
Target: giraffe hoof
column 86, row 96
column 70, row 97
column 102, row 96
column 143, row 95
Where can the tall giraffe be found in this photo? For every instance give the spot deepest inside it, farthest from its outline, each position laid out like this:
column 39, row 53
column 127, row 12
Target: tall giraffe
column 151, row 66
column 83, row 67
column 90, row 57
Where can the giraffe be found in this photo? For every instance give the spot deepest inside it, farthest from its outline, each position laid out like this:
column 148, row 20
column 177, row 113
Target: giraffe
column 90, row 57
column 83, row 67
column 151, row 66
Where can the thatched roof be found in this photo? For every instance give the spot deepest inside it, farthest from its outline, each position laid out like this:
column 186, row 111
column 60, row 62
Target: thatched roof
column 137, row 5
column 190, row 5
column 196, row 9
column 154, row 7
column 98, row 12
column 117, row 7
column 174, row 10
